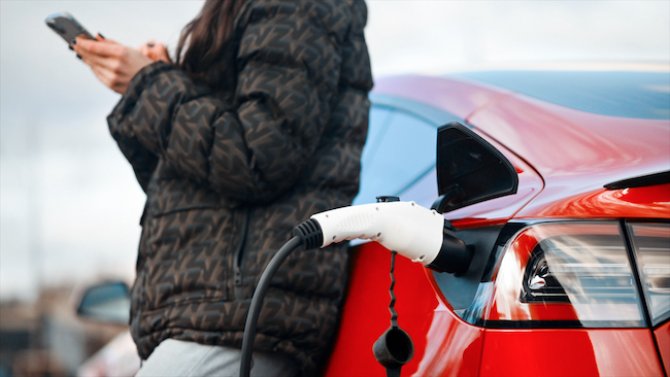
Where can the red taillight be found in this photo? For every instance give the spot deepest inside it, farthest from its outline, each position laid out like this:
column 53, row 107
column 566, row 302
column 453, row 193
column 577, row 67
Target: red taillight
column 565, row 274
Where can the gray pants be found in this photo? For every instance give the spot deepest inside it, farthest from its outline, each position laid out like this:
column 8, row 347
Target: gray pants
column 188, row 359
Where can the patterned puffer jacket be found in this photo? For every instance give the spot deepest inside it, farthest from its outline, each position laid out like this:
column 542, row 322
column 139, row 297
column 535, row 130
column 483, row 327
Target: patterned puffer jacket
column 229, row 173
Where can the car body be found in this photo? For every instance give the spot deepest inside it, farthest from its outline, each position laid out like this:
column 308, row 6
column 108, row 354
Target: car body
column 591, row 151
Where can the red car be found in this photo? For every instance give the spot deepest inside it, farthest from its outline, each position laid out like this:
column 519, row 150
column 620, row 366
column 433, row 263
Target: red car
column 571, row 275
column 571, row 270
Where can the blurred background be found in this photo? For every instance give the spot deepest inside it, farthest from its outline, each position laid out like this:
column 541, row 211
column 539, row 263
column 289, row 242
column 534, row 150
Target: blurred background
column 69, row 202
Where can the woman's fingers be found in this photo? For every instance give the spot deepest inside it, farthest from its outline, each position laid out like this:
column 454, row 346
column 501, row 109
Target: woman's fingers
column 99, row 47
column 155, row 51
column 159, row 52
column 111, row 79
column 144, row 50
column 112, row 63
column 103, row 53
column 109, row 70
column 103, row 75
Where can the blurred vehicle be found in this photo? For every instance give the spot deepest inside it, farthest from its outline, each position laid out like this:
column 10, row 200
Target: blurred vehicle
column 571, row 274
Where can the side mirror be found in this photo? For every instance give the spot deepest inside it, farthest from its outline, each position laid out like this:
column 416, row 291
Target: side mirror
column 469, row 169
column 106, row 302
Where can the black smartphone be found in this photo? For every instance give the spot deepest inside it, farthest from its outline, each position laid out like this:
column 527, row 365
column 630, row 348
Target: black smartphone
column 67, row 26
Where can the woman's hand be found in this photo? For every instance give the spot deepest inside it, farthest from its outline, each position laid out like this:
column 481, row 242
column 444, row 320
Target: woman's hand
column 112, row 63
column 155, row 51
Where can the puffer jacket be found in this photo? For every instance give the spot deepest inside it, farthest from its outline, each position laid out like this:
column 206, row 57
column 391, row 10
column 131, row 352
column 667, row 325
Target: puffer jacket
column 228, row 173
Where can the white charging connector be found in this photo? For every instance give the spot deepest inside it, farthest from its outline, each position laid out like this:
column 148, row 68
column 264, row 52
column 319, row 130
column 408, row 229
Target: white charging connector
column 406, row 227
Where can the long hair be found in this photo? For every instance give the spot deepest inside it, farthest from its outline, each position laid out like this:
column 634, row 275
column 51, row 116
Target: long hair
column 207, row 45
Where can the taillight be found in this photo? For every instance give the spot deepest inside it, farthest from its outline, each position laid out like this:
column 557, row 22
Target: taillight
column 651, row 243
column 565, row 274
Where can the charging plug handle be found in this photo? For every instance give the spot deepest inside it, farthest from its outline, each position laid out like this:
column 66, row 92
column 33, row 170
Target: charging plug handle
column 415, row 232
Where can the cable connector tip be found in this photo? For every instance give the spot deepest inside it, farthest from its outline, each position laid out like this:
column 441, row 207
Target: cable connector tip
column 311, row 234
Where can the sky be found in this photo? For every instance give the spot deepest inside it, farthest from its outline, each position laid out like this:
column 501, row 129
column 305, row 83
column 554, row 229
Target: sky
column 69, row 204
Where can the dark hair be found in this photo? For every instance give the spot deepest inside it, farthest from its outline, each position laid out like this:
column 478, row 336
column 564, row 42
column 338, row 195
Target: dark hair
column 207, row 47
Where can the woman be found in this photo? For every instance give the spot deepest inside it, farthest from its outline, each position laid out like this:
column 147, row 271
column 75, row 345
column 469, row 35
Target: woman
column 258, row 125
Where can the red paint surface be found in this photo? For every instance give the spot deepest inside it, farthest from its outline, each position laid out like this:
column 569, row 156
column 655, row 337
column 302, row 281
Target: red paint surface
column 662, row 334
column 574, row 352
column 639, row 202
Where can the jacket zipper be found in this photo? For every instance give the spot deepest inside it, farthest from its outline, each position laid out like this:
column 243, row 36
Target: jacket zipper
column 239, row 251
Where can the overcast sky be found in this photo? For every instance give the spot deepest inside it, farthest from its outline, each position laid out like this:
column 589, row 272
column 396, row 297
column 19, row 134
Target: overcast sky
column 69, row 203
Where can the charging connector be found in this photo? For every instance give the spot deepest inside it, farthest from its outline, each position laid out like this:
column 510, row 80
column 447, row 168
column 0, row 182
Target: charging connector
column 415, row 232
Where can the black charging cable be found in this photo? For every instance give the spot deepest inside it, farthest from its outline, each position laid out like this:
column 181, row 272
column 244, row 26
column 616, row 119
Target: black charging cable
column 307, row 234
column 257, row 303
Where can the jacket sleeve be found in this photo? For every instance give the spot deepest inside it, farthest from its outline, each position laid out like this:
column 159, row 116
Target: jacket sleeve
column 288, row 70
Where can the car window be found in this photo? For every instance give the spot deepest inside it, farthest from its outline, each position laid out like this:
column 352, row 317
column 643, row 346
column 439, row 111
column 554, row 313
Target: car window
column 622, row 94
column 400, row 148
column 379, row 119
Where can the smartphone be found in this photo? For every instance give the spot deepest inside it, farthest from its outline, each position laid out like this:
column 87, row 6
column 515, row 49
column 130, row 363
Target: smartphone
column 67, row 26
